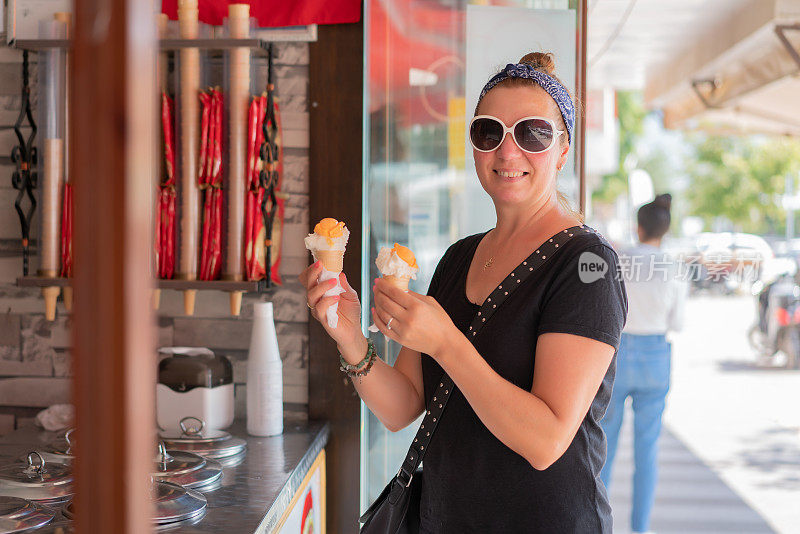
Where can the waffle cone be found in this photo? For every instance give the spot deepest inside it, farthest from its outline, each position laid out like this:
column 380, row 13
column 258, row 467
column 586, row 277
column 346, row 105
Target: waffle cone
column 332, row 260
column 400, row 282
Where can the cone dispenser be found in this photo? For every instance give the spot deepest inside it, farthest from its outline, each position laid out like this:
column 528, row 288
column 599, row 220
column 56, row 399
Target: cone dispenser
column 216, row 198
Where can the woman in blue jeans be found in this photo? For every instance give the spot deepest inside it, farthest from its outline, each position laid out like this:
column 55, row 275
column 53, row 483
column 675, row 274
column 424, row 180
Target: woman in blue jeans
column 655, row 306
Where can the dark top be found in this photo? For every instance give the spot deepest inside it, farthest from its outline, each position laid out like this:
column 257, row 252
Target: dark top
column 473, row 482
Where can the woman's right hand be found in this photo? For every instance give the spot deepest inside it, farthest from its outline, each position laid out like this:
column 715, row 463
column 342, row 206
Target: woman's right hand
column 348, row 332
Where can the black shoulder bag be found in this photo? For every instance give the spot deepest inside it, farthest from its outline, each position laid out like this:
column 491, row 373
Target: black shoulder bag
column 396, row 510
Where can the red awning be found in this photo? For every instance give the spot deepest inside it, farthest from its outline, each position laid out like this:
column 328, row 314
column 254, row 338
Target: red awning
column 276, row 13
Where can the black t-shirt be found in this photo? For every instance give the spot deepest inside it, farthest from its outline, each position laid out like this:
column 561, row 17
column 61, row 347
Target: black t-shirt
column 473, row 482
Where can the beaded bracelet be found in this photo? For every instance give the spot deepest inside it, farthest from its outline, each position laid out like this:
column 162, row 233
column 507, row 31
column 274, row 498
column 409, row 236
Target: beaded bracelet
column 344, row 366
column 361, row 368
column 365, row 370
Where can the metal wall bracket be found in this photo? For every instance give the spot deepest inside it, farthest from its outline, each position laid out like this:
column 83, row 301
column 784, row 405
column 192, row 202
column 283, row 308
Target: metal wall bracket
column 696, row 87
column 780, row 31
column 24, row 179
column 268, row 177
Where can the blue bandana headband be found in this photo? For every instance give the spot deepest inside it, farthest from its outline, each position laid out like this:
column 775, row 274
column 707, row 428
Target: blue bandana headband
column 546, row 82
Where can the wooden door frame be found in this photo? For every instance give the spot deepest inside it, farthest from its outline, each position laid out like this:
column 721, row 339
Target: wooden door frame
column 112, row 166
column 336, row 84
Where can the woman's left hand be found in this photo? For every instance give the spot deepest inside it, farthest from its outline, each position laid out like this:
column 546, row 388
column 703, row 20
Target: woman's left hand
column 417, row 321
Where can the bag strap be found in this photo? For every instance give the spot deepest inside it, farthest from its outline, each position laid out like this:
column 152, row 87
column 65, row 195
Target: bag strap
column 434, row 411
column 432, row 417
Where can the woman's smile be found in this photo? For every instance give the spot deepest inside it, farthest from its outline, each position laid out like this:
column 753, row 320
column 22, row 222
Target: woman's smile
column 510, row 175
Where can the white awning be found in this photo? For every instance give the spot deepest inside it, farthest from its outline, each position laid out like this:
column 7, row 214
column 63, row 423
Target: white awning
column 725, row 65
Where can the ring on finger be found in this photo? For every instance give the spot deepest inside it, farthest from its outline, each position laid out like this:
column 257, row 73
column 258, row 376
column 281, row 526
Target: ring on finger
column 389, row 323
column 310, row 307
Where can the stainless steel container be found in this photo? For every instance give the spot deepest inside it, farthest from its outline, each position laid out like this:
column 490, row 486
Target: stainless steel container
column 37, row 480
column 60, row 449
column 59, row 527
column 173, row 504
column 186, row 469
column 17, row 515
column 216, row 444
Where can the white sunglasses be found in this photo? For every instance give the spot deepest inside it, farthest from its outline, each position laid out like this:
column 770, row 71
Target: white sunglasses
column 531, row 134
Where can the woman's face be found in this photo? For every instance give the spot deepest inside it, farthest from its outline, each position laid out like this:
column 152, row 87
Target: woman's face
column 508, row 174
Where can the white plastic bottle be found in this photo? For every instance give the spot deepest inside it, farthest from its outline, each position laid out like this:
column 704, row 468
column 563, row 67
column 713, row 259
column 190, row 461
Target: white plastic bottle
column 264, row 376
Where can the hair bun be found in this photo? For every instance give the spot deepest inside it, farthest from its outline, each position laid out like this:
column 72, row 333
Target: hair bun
column 540, row 61
column 663, row 201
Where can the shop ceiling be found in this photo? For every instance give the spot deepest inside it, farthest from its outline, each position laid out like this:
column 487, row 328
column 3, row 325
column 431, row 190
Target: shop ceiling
column 724, row 65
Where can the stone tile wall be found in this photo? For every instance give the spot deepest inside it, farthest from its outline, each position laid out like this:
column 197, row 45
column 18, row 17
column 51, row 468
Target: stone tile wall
column 35, row 357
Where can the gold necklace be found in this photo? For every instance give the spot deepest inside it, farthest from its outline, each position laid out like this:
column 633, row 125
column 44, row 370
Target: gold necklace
column 488, row 263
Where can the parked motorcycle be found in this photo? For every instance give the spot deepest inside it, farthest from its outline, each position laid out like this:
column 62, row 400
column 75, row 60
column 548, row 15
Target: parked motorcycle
column 777, row 329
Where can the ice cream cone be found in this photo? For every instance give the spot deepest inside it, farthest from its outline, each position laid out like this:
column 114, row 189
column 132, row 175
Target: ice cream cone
column 188, row 301
column 400, row 282
column 332, row 260
column 327, row 243
column 50, row 297
column 397, row 266
column 236, row 303
column 68, row 298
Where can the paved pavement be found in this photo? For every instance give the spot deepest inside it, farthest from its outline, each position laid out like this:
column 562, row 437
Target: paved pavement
column 690, row 498
column 730, row 458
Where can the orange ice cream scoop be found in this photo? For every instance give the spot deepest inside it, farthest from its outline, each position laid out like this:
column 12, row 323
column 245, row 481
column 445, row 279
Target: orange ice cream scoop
column 405, row 254
column 329, row 228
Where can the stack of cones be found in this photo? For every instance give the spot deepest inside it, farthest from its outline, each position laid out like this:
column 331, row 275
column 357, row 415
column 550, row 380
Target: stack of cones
column 190, row 136
column 209, row 178
column 238, row 96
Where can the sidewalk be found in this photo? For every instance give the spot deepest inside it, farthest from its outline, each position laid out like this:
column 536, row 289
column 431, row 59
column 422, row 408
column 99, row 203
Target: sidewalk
column 690, row 497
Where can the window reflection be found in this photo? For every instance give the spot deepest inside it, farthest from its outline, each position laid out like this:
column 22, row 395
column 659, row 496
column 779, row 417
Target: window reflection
column 417, row 190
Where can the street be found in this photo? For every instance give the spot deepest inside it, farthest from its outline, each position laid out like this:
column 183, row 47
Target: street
column 730, row 453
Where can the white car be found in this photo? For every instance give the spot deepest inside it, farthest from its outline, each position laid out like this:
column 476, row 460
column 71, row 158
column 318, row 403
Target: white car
column 733, row 248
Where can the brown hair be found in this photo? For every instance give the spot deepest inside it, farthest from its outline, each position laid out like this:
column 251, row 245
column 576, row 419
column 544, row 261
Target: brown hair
column 544, row 62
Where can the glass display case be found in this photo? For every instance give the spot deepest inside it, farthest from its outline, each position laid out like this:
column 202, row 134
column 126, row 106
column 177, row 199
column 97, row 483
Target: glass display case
column 426, row 61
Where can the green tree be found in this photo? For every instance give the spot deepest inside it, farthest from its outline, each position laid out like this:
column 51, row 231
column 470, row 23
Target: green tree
column 735, row 178
column 631, row 114
column 740, row 179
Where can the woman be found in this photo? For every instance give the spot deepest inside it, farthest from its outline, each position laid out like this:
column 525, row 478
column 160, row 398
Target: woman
column 519, row 447
column 643, row 362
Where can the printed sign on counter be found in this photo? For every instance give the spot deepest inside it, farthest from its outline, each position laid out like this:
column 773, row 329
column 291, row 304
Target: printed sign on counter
column 306, row 512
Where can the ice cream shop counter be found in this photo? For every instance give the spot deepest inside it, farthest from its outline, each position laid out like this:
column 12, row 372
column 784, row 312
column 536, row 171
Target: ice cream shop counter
column 275, row 484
